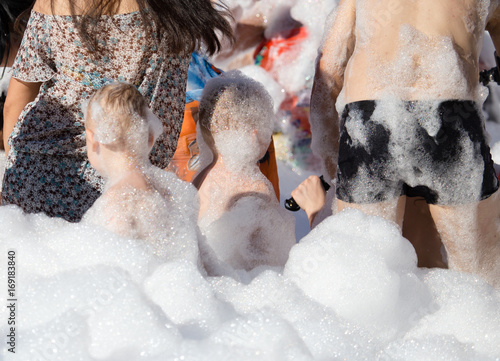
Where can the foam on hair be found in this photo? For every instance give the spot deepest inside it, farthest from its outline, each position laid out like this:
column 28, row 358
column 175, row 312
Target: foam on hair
column 120, row 116
column 232, row 106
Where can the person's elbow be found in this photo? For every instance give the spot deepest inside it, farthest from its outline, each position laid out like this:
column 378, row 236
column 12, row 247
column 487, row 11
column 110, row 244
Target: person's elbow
column 9, row 108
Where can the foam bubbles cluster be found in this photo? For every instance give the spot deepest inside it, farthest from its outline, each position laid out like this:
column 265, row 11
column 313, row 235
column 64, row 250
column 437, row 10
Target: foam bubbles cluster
column 253, row 232
column 233, row 107
column 350, row 290
column 162, row 218
column 130, row 127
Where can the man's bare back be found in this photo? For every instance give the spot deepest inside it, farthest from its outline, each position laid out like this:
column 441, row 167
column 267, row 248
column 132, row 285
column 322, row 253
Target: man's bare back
column 415, row 49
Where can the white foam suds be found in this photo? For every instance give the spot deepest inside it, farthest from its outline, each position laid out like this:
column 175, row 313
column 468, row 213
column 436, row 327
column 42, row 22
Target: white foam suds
column 85, row 294
column 262, row 76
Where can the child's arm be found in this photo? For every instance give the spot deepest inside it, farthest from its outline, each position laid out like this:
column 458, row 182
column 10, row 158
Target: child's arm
column 310, row 196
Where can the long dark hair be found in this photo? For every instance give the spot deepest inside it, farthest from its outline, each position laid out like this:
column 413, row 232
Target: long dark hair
column 10, row 10
column 187, row 24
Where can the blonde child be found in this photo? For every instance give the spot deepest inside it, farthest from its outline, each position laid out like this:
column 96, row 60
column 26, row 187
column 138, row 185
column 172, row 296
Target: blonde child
column 139, row 201
column 239, row 213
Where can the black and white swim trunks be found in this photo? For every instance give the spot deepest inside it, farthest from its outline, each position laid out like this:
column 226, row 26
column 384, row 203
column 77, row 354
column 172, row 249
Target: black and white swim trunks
column 433, row 149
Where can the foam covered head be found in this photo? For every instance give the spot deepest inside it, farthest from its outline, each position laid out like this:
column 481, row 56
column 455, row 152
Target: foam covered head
column 119, row 115
column 232, row 107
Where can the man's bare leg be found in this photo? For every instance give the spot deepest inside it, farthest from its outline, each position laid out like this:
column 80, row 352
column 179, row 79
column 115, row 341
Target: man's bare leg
column 420, row 230
column 392, row 210
column 471, row 235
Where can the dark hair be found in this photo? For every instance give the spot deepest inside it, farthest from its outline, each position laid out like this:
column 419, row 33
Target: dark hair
column 10, row 10
column 187, row 24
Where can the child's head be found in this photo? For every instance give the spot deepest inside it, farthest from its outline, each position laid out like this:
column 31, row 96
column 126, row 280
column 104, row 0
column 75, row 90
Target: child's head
column 118, row 118
column 236, row 117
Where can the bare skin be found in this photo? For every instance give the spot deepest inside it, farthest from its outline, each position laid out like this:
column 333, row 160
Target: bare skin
column 420, row 229
column 385, row 48
column 221, row 183
column 265, row 235
column 310, row 196
column 221, row 188
column 62, row 7
column 124, row 175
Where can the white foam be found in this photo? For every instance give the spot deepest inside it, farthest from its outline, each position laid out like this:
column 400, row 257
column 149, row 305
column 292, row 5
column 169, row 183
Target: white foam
column 360, row 263
column 494, row 134
column 254, row 231
column 4, row 81
column 259, row 74
column 163, row 218
column 350, row 290
column 238, row 113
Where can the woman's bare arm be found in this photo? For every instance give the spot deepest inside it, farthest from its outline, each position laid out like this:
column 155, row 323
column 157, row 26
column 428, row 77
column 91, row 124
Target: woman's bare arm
column 19, row 94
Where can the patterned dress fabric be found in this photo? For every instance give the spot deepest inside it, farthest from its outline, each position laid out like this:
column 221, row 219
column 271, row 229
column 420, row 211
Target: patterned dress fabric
column 47, row 169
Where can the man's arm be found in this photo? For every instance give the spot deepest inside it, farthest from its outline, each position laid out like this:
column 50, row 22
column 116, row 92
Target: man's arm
column 338, row 46
column 19, row 94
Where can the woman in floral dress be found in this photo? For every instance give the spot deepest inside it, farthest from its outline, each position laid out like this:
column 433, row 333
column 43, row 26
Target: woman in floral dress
column 66, row 54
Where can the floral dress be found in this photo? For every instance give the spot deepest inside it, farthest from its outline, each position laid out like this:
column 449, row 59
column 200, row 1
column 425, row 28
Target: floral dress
column 47, row 169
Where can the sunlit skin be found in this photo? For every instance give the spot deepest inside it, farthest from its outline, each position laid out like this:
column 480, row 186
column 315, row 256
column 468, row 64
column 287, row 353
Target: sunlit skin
column 350, row 61
column 121, row 164
column 310, row 196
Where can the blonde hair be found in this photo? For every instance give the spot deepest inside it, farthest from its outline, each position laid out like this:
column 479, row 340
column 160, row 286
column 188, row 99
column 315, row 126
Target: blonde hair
column 120, row 116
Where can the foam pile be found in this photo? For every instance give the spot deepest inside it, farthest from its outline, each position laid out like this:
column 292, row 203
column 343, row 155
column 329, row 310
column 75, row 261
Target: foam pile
column 350, row 290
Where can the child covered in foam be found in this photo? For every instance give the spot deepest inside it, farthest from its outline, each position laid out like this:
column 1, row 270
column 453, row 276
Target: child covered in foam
column 139, row 201
column 239, row 213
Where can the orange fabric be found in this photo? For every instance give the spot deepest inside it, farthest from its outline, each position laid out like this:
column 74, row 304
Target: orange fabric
column 190, row 114
column 185, row 160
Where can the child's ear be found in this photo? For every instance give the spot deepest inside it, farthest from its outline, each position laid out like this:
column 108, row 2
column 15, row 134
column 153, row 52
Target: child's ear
column 151, row 139
column 95, row 147
column 256, row 135
column 93, row 143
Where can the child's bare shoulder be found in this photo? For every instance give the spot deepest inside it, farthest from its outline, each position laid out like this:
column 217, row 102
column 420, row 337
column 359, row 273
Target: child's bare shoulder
column 257, row 191
column 134, row 180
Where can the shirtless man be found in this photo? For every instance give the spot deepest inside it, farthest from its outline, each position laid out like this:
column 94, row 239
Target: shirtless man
column 399, row 79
